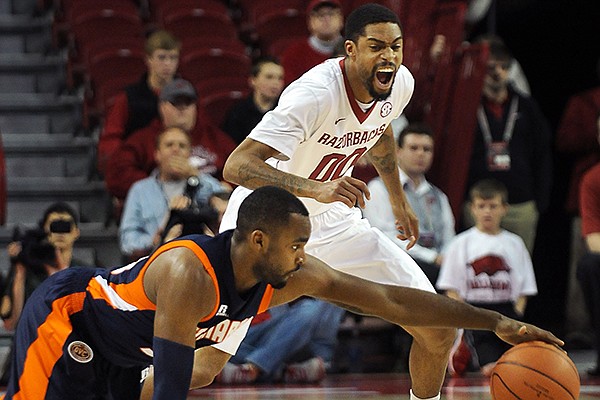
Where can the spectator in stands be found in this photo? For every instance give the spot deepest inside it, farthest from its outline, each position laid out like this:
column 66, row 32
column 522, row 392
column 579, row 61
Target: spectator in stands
column 577, row 137
column 150, row 200
column 36, row 255
column 137, row 105
column 266, row 81
column 512, row 143
column 325, row 22
column 293, row 343
column 588, row 267
column 56, row 234
column 489, row 267
column 177, row 107
column 436, row 221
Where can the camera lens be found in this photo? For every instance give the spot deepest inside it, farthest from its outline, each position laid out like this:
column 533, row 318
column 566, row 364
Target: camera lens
column 61, row 226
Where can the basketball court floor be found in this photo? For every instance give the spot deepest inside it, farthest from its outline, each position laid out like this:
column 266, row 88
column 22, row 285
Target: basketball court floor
column 380, row 386
column 366, row 387
column 383, row 387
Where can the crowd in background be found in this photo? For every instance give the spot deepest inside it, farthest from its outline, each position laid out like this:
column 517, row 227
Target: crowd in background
column 158, row 132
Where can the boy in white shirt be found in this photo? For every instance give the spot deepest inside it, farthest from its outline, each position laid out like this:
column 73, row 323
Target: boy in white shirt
column 489, row 267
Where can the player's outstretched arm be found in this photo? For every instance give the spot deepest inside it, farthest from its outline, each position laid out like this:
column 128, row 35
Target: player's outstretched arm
column 401, row 305
column 183, row 293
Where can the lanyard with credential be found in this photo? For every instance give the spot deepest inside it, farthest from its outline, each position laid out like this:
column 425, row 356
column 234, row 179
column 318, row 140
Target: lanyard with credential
column 498, row 153
column 508, row 128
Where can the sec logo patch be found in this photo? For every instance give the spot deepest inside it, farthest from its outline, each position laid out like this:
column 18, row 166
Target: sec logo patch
column 386, row 109
column 80, row 352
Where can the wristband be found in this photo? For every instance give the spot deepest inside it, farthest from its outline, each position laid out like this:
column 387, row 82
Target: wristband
column 173, row 364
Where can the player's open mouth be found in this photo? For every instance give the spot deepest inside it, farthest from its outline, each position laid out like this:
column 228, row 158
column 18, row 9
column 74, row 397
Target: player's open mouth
column 384, row 76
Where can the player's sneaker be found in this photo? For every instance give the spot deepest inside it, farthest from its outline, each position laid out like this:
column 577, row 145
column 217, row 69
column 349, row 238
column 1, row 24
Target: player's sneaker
column 309, row 371
column 461, row 355
column 237, row 374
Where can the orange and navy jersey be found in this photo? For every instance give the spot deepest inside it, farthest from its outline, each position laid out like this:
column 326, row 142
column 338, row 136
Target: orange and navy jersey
column 122, row 316
column 110, row 309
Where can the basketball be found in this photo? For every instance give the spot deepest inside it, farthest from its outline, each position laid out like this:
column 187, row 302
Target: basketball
column 534, row 371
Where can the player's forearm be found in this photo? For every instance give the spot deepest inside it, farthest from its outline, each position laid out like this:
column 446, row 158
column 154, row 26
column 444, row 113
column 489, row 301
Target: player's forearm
column 252, row 172
column 421, row 308
column 383, row 157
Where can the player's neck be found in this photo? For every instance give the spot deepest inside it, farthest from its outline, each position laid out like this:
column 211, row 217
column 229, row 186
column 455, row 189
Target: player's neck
column 359, row 91
column 243, row 273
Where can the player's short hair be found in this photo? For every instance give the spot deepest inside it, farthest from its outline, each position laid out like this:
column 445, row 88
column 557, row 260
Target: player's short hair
column 419, row 128
column 59, row 208
column 260, row 62
column 366, row 15
column 488, row 189
column 162, row 40
column 268, row 209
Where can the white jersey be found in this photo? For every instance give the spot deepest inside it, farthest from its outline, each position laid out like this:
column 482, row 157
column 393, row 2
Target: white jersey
column 320, row 129
column 320, row 132
column 485, row 268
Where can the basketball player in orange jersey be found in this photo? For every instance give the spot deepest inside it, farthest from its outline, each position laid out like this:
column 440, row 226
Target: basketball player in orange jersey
column 87, row 333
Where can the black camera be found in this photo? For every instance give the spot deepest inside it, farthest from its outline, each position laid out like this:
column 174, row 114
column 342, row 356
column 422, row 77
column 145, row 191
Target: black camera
column 194, row 218
column 61, row 226
column 36, row 250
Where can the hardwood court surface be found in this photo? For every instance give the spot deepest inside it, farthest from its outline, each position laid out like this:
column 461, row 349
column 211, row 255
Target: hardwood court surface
column 366, row 387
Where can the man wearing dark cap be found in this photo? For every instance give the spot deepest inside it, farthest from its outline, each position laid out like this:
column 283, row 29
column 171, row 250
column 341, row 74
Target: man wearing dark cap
column 177, row 108
column 325, row 21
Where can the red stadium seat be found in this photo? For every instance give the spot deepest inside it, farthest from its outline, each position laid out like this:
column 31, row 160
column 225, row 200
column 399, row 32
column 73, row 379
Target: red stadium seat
column 108, row 72
column 216, row 43
column 203, row 64
column 208, row 87
column 77, row 61
column 349, row 5
column 278, row 46
column 93, row 25
column 269, row 27
column 160, row 8
column 67, row 10
column 252, row 10
column 198, row 23
column 218, row 104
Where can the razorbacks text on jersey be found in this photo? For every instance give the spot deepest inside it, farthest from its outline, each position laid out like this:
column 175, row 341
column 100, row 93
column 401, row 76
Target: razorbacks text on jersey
column 320, row 129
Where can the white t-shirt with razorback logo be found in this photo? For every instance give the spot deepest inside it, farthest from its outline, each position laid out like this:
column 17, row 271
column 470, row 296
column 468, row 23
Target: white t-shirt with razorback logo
column 320, row 129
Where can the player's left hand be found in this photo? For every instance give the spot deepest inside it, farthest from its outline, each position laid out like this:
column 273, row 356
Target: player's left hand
column 515, row 332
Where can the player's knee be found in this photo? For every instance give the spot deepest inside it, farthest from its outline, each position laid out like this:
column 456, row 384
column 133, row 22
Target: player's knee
column 436, row 340
column 202, row 377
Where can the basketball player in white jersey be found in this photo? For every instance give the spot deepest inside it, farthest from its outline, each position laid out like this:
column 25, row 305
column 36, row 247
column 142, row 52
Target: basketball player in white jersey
column 325, row 121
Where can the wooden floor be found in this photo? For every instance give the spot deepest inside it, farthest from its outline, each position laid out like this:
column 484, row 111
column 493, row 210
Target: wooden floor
column 383, row 386
column 386, row 387
column 367, row 387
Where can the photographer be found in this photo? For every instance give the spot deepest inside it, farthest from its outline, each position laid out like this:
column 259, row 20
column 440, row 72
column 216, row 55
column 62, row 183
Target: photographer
column 167, row 197
column 37, row 254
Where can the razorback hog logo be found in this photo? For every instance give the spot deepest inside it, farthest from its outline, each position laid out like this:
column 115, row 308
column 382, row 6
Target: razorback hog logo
column 489, row 265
